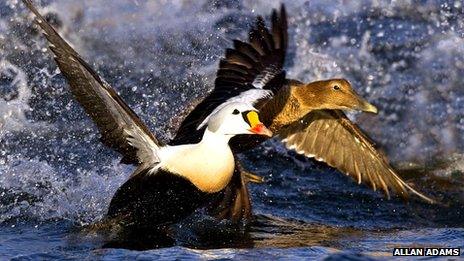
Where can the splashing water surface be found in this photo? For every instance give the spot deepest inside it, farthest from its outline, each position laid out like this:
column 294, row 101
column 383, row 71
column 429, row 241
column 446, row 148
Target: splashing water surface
column 406, row 57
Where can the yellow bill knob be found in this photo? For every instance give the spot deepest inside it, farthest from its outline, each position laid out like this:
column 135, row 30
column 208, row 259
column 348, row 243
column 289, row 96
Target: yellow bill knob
column 253, row 118
column 256, row 125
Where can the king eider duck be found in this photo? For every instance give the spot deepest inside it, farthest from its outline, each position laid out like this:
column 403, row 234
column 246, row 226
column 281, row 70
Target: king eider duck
column 170, row 181
column 306, row 117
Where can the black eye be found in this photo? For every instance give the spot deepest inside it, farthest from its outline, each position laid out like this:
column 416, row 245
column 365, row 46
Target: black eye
column 235, row 112
column 336, row 87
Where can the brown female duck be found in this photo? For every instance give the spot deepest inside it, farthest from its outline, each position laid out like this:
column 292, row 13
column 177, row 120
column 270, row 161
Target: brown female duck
column 307, row 117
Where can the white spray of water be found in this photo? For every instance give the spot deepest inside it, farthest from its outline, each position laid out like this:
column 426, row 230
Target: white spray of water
column 12, row 112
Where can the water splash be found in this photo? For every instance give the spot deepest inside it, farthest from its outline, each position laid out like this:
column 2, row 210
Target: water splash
column 161, row 56
column 34, row 190
column 14, row 97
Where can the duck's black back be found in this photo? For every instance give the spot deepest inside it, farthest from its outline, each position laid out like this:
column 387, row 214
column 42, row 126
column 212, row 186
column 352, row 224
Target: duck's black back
column 149, row 200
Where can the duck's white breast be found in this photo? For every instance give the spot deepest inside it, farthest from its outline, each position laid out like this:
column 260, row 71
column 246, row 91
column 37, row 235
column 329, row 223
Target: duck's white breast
column 208, row 166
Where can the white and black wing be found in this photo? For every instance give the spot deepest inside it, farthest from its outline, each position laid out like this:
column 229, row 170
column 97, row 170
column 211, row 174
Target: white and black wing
column 253, row 65
column 329, row 136
column 120, row 127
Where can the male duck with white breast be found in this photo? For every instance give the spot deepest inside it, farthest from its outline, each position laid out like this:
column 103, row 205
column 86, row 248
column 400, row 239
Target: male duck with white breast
column 171, row 181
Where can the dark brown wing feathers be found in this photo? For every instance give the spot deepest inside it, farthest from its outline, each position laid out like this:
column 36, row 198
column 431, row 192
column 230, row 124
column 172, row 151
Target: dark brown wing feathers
column 259, row 61
column 279, row 29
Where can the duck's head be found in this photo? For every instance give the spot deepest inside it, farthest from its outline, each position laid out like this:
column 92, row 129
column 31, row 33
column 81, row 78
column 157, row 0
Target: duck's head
column 236, row 118
column 329, row 94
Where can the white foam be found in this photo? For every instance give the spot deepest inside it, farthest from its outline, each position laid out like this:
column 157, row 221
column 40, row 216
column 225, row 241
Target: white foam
column 12, row 112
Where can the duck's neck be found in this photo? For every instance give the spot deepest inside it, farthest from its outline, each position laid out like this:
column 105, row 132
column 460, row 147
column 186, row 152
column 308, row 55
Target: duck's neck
column 285, row 109
column 215, row 139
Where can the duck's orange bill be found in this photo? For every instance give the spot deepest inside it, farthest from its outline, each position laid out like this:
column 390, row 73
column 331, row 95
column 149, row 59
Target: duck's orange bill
column 256, row 125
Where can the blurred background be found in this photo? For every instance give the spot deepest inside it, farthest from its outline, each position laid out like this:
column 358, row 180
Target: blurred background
column 406, row 57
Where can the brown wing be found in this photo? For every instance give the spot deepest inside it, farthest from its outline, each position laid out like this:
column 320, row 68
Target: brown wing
column 329, row 136
column 120, row 127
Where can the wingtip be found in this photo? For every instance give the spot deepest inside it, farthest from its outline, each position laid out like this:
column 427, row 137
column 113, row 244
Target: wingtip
column 27, row 2
column 39, row 19
column 424, row 197
column 417, row 193
column 274, row 15
column 283, row 13
column 259, row 22
column 387, row 193
column 30, row 6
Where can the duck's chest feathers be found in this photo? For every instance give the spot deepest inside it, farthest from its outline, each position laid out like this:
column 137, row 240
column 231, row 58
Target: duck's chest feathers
column 208, row 166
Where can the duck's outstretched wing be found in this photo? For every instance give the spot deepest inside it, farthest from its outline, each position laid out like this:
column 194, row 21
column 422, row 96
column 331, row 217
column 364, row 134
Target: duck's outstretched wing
column 120, row 127
column 253, row 65
column 329, row 136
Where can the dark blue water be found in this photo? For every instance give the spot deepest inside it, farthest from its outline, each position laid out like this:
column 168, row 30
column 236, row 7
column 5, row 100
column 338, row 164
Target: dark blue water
column 407, row 58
